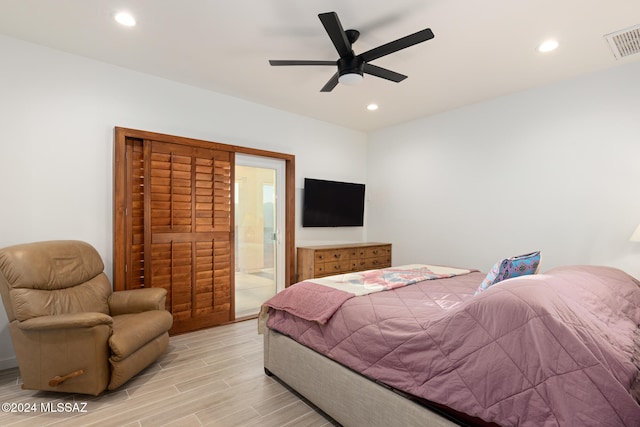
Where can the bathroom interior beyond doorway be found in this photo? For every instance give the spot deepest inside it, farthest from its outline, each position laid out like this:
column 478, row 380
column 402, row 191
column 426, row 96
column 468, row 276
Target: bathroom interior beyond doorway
column 258, row 198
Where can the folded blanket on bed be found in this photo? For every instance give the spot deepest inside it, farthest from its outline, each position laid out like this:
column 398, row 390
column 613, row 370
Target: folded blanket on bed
column 371, row 281
column 316, row 300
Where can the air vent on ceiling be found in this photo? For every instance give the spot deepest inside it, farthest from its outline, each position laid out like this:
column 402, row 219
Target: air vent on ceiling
column 624, row 42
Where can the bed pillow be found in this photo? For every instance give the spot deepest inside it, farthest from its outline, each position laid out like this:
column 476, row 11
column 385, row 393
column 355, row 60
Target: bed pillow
column 510, row 267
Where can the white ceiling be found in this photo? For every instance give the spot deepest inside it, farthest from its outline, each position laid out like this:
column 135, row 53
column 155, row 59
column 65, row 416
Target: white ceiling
column 481, row 49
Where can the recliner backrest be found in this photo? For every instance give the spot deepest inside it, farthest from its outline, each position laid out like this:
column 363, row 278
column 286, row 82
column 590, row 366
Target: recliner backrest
column 55, row 277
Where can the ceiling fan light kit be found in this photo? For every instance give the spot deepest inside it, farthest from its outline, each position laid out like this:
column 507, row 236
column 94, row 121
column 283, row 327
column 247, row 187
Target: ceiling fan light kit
column 350, row 79
column 352, row 67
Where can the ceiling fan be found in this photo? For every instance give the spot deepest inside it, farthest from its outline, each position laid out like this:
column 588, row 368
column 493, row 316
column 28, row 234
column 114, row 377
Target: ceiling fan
column 351, row 66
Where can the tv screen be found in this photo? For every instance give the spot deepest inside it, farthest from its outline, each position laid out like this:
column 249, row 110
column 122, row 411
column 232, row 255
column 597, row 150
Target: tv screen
column 332, row 204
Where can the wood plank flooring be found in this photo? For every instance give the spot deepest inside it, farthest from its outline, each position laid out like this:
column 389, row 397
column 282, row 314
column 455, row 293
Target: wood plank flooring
column 213, row 377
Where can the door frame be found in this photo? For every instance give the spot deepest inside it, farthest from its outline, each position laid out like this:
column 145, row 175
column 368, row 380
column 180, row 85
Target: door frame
column 120, row 190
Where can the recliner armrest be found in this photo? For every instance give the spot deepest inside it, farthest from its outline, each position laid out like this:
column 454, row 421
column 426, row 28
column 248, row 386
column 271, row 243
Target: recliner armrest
column 65, row 321
column 137, row 300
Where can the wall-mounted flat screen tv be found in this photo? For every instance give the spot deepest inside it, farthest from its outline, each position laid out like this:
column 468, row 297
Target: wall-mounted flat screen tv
column 332, row 204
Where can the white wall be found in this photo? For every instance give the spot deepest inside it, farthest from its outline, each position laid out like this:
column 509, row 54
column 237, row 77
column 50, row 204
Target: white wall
column 58, row 113
column 554, row 168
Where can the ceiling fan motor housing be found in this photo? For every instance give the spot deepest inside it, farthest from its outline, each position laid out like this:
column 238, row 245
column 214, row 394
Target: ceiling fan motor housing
column 352, row 65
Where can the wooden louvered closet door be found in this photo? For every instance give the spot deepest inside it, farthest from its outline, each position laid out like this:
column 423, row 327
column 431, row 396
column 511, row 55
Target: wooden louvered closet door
column 182, row 230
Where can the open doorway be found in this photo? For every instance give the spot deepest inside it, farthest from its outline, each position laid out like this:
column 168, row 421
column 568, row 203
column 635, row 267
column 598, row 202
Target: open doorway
column 259, row 221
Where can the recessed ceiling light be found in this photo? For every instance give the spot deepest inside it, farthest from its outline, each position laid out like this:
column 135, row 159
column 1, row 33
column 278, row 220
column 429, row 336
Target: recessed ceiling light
column 372, row 107
column 548, row 46
column 125, row 18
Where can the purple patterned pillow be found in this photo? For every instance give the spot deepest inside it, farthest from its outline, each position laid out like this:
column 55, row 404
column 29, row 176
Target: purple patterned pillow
column 511, row 267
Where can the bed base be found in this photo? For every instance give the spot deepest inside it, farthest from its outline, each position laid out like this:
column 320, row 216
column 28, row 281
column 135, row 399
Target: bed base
column 344, row 395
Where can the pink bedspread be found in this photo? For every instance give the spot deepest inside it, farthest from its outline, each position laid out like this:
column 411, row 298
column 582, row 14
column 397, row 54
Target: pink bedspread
column 552, row 349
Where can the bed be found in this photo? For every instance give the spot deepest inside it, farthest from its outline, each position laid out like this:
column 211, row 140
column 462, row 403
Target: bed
column 554, row 349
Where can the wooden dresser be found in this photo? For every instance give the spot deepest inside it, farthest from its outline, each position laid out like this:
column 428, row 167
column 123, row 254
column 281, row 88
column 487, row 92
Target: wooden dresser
column 320, row 261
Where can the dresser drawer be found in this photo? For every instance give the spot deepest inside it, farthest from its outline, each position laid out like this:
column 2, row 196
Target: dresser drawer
column 333, row 255
column 377, row 262
column 360, row 264
column 358, row 253
column 376, row 251
column 339, row 267
column 319, row 269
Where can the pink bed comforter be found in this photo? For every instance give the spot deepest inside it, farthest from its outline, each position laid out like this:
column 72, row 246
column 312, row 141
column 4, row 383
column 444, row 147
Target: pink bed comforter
column 552, row 349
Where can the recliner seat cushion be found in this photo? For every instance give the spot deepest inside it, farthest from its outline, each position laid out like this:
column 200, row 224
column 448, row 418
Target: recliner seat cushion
column 133, row 331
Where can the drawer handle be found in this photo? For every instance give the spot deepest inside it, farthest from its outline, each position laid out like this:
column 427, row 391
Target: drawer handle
column 336, row 267
column 375, row 262
column 375, row 252
column 337, row 255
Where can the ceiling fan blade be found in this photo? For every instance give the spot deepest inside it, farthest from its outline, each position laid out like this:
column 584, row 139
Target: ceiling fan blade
column 396, row 45
column 333, row 82
column 277, row 62
column 336, row 33
column 383, row 73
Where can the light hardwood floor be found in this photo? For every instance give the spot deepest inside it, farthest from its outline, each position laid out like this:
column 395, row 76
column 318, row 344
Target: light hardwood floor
column 213, row 377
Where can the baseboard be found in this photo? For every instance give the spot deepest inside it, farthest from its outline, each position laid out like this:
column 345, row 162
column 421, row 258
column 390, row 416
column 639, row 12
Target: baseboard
column 8, row 363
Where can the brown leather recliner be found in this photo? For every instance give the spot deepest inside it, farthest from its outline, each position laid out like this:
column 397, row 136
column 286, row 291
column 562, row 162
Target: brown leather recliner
column 70, row 332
